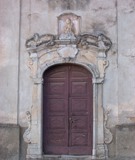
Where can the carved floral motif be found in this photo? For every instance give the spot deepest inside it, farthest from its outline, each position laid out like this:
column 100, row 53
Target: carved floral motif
column 27, row 133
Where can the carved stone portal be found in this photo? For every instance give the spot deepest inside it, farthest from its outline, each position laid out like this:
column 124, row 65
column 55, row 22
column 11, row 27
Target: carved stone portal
column 69, row 46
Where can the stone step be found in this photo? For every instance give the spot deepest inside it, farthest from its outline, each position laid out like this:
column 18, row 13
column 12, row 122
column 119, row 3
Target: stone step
column 65, row 157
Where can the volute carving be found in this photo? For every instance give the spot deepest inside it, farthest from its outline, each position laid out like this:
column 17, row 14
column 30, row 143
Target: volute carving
column 84, row 41
column 37, row 40
column 102, row 65
column 27, row 133
column 101, row 42
column 104, row 44
column 108, row 135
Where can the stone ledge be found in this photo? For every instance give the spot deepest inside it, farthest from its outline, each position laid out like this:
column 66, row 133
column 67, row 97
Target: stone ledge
column 118, row 158
column 129, row 125
column 8, row 125
column 122, row 158
column 70, row 157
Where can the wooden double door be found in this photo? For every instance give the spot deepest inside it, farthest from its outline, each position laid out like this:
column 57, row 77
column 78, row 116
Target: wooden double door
column 67, row 110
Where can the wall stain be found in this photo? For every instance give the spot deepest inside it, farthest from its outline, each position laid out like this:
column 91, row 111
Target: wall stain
column 68, row 4
column 98, row 28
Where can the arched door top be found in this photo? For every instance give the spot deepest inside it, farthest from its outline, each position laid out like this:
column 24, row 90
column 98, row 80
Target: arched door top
column 88, row 67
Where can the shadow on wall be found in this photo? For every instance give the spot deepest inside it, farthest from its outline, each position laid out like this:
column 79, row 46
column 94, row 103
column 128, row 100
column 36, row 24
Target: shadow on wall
column 23, row 145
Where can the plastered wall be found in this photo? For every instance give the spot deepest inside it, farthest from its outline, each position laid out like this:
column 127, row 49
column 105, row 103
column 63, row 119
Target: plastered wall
column 20, row 19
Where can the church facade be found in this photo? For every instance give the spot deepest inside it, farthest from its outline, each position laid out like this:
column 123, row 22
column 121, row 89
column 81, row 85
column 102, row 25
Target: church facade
column 67, row 79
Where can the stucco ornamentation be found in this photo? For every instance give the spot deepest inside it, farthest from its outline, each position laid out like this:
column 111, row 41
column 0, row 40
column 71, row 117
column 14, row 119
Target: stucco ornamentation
column 68, row 51
column 36, row 40
column 68, row 24
column 87, row 40
column 100, row 151
column 32, row 64
column 68, row 30
column 104, row 44
column 27, row 133
column 108, row 135
column 40, row 42
column 102, row 65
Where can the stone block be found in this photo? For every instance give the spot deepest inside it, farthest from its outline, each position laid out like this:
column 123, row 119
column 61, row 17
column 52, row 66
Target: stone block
column 125, row 140
column 9, row 143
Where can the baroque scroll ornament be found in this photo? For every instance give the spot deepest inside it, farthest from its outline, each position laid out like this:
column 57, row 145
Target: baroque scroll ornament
column 66, row 42
column 108, row 135
column 27, row 133
column 37, row 42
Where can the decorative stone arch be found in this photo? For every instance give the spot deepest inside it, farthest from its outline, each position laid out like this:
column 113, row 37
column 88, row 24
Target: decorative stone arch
column 89, row 67
column 86, row 50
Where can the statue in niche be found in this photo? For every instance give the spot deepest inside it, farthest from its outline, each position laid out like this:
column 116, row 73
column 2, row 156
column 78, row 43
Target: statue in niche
column 68, row 30
column 68, row 27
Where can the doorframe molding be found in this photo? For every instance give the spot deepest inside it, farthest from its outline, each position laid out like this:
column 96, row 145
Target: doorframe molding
column 40, row 59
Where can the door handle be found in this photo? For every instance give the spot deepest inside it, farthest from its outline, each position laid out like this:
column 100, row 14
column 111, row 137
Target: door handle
column 71, row 120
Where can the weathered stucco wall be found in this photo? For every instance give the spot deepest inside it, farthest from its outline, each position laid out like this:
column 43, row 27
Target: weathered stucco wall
column 114, row 18
column 9, row 64
column 96, row 17
column 126, row 61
